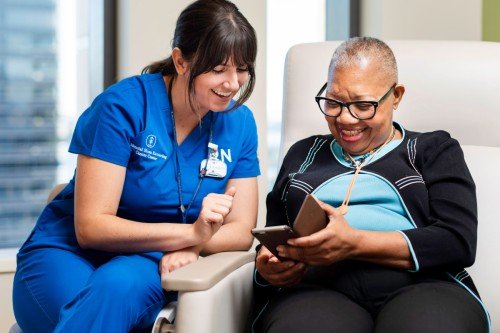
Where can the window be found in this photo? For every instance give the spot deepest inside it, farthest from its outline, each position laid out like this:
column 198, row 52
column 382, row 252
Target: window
column 290, row 22
column 44, row 84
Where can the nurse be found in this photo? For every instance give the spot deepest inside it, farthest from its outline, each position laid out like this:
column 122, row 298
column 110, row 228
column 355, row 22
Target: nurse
column 166, row 171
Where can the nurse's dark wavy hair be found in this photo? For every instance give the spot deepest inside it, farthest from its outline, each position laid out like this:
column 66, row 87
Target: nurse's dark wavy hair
column 208, row 33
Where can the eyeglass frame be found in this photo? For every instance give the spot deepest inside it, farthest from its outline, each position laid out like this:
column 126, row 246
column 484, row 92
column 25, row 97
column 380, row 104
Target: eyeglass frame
column 346, row 105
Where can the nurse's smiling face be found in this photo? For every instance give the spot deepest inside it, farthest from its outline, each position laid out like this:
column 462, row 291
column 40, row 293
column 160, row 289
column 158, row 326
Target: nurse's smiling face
column 215, row 89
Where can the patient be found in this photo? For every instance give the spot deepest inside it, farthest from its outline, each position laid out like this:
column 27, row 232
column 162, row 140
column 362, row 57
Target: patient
column 402, row 211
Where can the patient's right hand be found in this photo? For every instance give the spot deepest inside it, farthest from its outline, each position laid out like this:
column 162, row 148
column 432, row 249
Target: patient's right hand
column 279, row 273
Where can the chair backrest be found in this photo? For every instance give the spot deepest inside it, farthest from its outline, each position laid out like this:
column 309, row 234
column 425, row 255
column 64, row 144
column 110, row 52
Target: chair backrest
column 450, row 85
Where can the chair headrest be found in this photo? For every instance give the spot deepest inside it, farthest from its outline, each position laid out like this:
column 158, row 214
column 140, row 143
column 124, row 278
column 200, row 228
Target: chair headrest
column 450, row 85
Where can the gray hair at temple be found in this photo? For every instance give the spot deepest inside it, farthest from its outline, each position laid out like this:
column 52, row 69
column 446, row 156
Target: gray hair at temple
column 359, row 50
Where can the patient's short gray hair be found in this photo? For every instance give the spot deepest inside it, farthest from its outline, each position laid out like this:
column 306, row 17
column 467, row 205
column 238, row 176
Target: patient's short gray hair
column 358, row 50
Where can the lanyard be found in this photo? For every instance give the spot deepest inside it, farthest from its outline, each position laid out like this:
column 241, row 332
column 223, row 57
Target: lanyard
column 178, row 176
column 368, row 157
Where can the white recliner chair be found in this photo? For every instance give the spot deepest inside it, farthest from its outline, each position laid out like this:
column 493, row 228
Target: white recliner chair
column 450, row 85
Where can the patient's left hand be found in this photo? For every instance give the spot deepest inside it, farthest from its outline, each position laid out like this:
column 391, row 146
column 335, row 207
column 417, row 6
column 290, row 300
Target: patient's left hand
column 176, row 259
column 336, row 242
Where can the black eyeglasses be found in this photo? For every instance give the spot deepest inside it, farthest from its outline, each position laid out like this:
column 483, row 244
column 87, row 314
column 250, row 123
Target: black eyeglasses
column 361, row 110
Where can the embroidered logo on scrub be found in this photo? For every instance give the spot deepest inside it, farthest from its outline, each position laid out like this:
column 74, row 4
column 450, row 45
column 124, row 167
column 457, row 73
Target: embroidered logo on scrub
column 151, row 141
column 148, row 151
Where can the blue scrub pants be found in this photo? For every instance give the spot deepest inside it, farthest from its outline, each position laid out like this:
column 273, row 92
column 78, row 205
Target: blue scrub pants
column 58, row 290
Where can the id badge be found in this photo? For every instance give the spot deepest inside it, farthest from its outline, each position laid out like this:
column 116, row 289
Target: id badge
column 214, row 168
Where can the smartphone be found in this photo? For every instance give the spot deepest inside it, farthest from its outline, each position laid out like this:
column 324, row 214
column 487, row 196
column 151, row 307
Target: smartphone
column 271, row 237
column 311, row 217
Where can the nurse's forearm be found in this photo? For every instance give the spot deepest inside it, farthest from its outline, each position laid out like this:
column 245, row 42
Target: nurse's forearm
column 235, row 234
column 230, row 237
column 115, row 234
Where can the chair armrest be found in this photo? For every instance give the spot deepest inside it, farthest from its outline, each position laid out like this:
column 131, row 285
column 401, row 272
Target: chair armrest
column 206, row 272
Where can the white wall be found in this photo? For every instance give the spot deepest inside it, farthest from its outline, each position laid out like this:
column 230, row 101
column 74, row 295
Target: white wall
column 422, row 19
column 145, row 33
column 7, row 268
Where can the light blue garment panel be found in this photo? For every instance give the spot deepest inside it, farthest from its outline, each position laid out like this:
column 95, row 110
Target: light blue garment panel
column 374, row 204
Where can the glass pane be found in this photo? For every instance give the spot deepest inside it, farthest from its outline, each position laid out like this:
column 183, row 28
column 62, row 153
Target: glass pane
column 30, row 17
column 283, row 31
column 39, row 47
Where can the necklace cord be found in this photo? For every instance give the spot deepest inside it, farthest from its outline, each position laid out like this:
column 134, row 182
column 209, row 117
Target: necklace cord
column 344, row 206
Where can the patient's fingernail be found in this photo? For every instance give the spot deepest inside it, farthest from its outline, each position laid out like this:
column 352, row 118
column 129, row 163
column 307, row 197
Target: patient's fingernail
column 279, row 248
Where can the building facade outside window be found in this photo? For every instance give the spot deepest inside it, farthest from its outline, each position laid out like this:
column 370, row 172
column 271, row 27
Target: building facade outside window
column 44, row 85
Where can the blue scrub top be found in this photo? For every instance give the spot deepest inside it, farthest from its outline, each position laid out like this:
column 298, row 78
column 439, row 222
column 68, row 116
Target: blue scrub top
column 130, row 125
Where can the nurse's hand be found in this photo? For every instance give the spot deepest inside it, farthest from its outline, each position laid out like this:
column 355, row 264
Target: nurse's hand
column 214, row 210
column 177, row 259
column 279, row 273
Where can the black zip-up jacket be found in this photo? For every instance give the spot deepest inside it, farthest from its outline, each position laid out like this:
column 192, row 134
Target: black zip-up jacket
column 429, row 172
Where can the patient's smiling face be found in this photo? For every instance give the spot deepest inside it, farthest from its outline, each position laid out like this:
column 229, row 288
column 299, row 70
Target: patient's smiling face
column 365, row 81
